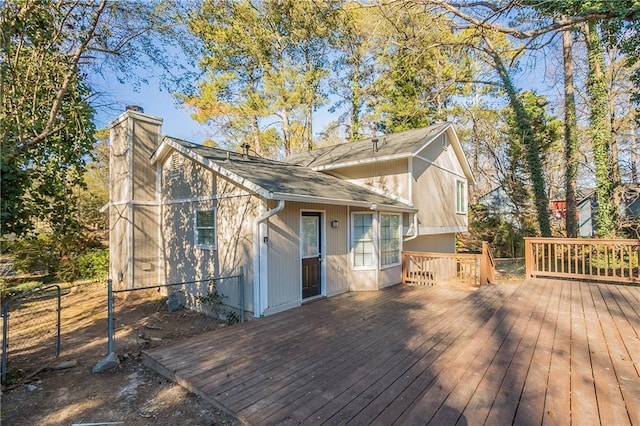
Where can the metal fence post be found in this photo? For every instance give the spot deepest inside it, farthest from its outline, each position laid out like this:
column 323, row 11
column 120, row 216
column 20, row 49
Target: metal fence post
column 241, row 285
column 59, row 309
column 5, row 335
column 109, row 316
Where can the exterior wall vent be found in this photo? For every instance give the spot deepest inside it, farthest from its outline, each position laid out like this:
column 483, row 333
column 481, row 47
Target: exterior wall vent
column 175, row 166
column 445, row 141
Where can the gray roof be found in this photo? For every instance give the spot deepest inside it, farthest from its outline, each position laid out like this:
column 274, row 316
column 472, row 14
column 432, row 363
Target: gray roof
column 397, row 145
column 280, row 180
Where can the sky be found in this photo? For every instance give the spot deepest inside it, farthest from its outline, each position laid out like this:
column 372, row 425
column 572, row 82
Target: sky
column 177, row 121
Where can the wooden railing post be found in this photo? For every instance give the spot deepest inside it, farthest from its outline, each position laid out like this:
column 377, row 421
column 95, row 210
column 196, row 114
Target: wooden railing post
column 484, row 265
column 487, row 266
column 528, row 258
column 404, row 268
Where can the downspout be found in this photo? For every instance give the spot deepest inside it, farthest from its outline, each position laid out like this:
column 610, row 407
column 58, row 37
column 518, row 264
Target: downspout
column 260, row 273
column 416, row 230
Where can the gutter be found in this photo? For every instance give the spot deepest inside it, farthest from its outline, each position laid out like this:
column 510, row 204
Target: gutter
column 340, row 202
column 260, row 266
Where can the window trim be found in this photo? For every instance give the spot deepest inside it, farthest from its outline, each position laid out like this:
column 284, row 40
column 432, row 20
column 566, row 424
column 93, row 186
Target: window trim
column 399, row 262
column 213, row 246
column 461, row 199
column 374, row 244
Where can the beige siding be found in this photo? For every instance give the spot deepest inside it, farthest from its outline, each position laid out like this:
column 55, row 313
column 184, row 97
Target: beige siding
column 390, row 276
column 445, row 158
column 145, row 246
column 145, row 141
column 134, row 223
column 435, row 172
column 189, row 179
column 440, row 243
column 118, row 163
column 197, row 188
column 363, row 280
column 118, row 252
column 285, row 283
column 390, row 177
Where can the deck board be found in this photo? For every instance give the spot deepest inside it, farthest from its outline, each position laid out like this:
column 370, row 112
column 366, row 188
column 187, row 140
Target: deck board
column 544, row 351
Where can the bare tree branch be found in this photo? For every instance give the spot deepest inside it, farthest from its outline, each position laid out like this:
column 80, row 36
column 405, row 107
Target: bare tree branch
column 558, row 24
column 57, row 103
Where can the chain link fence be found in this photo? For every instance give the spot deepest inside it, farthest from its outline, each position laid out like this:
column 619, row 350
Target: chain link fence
column 30, row 332
column 143, row 317
column 510, row 270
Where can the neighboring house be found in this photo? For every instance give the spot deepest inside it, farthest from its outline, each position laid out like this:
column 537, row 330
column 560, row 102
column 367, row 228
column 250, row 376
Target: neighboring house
column 585, row 209
column 319, row 224
column 497, row 202
column 629, row 209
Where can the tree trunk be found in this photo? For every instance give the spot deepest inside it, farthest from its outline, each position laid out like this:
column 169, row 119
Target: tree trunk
column 256, row 136
column 534, row 164
column 355, row 105
column 309, row 126
column 634, row 153
column 570, row 138
column 600, row 129
column 286, row 131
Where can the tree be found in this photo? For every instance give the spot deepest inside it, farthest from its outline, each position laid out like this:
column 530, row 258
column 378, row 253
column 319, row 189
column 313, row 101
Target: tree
column 523, row 125
column 570, row 137
column 600, row 130
column 537, row 18
column 47, row 128
column 424, row 65
column 354, row 66
column 265, row 61
column 48, row 49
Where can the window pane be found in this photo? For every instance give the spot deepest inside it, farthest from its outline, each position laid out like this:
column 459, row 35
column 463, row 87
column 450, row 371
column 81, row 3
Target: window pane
column 363, row 239
column 310, row 237
column 206, row 228
column 206, row 219
column 389, row 239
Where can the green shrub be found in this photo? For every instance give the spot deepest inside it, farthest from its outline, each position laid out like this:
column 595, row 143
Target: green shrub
column 36, row 253
column 94, row 264
column 68, row 269
column 70, row 256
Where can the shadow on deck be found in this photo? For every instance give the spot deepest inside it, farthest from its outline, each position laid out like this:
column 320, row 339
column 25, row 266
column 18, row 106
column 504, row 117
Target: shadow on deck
column 542, row 351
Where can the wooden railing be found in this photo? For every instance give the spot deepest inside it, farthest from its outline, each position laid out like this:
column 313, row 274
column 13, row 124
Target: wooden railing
column 582, row 258
column 487, row 265
column 425, row 268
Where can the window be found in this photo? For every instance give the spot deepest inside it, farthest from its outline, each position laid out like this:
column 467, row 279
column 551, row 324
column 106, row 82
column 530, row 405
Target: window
column 461, row 197
column 363, row 240
column 389, row 239
column 206, row 229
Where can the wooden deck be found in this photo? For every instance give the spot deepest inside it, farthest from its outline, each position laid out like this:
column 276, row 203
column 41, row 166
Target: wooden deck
column 545, row 351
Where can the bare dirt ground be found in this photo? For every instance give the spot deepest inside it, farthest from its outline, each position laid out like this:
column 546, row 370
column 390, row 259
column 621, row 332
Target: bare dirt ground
column 132, row 394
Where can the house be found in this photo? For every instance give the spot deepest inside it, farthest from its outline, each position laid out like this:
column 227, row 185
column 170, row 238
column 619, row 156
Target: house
column 498, row 203
column 319, row 224
column 629, row 210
